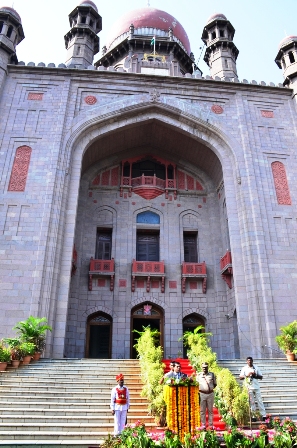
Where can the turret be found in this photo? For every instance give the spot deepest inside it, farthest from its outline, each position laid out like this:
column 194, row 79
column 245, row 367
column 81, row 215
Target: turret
column 286, row 60
column 82, row 42
column 221, row 53
column 11, row 34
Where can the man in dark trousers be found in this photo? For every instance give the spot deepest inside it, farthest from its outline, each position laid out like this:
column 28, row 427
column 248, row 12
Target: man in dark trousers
column 207, row 383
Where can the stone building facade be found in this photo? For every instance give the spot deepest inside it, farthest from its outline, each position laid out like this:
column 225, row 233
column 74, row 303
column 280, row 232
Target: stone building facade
column 136, row 191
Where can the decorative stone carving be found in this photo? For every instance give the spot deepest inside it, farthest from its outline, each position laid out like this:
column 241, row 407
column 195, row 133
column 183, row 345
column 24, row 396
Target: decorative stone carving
column 90, row 100
column 154, row 96
column 281, row 183
column 20, row 168
column 216, row 109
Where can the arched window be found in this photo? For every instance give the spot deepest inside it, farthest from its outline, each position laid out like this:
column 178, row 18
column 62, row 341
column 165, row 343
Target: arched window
column 99, row 331
column 291, row 57
column 191, row 322
column 148, row 218
column 9, row 32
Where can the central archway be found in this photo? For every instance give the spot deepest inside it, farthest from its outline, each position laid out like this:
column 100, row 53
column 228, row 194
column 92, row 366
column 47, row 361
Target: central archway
column 143, row 315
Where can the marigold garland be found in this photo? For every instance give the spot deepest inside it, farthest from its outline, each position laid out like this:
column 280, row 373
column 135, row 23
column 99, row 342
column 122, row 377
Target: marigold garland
column 182, row 408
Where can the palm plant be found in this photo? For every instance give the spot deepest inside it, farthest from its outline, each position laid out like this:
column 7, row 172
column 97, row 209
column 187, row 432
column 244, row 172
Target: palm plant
column 14, row 346
column 33, row 330
column 287, row 340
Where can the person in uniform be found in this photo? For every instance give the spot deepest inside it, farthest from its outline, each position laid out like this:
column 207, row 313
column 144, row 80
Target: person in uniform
column 251, row 374
column 119, row 404
column 207, row 383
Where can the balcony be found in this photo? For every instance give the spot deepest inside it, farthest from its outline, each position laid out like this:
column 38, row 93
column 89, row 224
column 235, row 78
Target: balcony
column 148, row 269
column 226, row 268
column 148, row 187
column 194, row 270
column 101, row 268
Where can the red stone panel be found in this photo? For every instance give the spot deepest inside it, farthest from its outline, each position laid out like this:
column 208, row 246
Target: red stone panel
column 32, row 96
column 281, row 183
column 90, row 99
column 115, row 176
column 20, row 169
column 267, row 113
column 101, row 282
column 105, row 178
column 193, row 285
column 140, row 283
column 198, row 186
column 216, row 109
column 122, row 283
column 155, row 284
column 190, row 182
column 204, row 200
column 181, row 180
column 96, row 181
column 172, row 284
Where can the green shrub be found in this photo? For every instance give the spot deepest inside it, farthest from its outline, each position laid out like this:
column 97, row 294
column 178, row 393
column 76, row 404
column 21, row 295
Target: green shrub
column 150, row 356
column 4, row 353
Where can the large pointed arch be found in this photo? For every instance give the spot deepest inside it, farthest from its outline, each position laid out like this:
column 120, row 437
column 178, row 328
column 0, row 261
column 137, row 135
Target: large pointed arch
column 87, row 131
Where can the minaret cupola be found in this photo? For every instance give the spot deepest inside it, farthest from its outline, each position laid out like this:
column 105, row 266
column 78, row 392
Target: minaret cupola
column 221, row 52
column 286, row 59
column 82, row 42
column 11, row 34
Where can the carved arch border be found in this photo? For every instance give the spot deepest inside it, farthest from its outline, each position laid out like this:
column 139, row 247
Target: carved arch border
column 99, row 309
column 141, row 300
column 199, row 311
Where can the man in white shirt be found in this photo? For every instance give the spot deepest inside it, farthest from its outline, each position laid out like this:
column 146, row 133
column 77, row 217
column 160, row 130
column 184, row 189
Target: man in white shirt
column 251, row 374
column 119, row 404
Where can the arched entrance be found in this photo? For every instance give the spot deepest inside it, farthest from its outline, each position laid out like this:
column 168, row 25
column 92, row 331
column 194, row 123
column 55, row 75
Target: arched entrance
column 99, row 331
column 190, row 322
column 143, row 315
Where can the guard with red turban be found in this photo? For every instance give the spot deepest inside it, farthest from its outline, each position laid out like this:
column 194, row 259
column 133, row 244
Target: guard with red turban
column 119, row 404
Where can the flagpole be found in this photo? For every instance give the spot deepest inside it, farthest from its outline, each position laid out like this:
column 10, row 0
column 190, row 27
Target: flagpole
column 154, row 45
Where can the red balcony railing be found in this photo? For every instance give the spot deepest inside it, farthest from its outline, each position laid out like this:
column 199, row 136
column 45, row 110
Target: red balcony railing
column 101, row 268
column 194, row 269
column 226, row 268
column 148, row 269
column 148, row 181
column 226, row 261
column 105, row 266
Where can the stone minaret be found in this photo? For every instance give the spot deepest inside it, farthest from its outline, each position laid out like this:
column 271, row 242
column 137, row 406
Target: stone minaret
column 82, row 42
column 11, row 34
column 221, row 53
column 286, row 59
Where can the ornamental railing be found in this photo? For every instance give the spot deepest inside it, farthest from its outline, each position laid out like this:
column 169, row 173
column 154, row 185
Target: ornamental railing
column 148, row 267
column 104, row 266
column 194, row 269
column 226, row 261
column 148, row 181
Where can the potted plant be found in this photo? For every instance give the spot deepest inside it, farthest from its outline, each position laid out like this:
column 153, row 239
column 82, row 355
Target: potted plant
column 33, row 330
column 287, row 340
column 4, row 356
column 15, row 351
column 27, row 350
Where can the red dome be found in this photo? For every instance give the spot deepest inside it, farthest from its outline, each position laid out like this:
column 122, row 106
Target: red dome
column 89, row 3
column 216, row 16
column 149, row 18
column 12, row 11
column 287, row 39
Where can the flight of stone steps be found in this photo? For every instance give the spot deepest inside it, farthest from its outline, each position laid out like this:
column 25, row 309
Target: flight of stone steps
column 65, row 402
column 278, row 387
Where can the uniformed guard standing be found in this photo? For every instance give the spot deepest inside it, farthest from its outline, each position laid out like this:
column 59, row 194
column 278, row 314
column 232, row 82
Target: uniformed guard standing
column 119, row 404
column 207, row 382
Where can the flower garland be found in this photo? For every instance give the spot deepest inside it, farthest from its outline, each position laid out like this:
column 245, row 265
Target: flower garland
column 182, row 408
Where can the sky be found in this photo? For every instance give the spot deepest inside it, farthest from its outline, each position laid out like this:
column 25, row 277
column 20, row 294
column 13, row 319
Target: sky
column 260, row 25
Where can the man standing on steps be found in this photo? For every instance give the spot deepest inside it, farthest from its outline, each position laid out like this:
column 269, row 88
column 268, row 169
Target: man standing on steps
column 207, row 383
column 251, row 374
column 119, row 404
